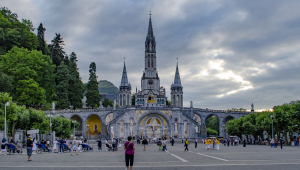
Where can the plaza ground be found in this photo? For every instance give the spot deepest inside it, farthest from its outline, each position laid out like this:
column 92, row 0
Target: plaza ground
column 227, row 158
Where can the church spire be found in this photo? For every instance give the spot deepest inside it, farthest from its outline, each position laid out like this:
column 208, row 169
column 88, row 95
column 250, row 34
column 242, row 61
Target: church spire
column 124, row 80
column 177, row 81
column 150, row 43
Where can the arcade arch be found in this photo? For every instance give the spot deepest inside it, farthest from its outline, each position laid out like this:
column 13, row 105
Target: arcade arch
column 154, row 126
column 93, row 126
column 78, row 130
column 212, row 123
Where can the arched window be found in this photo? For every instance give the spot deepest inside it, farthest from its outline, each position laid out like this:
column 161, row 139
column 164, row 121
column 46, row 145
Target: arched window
column 152, row 61
column 148, row 62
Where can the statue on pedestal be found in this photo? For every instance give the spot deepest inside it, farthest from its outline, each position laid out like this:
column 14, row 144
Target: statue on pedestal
column 191, row 104
column 196, row 128
column 53, row 106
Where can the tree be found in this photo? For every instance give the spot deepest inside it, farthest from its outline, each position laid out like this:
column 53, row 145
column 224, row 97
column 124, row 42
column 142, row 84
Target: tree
column 56, row 49
column 62, row 89
column 15, row 33
column 75, row 83
column 22, row 64
column 211, row 132
column 92, row 95
column 133, row 100
column 5, row 82
column 41, row 38
column 213, row 123
column 29, row 93
column 107, row 102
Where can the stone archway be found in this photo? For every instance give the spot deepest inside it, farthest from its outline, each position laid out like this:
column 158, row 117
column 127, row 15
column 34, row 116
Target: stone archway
column 78, row 130
column 214, row 126
column 154, row 125
column 93, row 126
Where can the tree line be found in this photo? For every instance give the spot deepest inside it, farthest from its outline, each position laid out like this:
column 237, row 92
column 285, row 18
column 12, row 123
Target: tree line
column 286, row 120
column 35, row 73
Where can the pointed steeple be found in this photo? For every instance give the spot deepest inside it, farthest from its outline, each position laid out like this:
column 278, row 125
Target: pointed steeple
column 150, row 29
column 124, row 80
column 177, row 81
column 150, row 39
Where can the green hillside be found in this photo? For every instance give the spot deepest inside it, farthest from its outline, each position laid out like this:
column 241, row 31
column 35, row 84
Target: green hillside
column 107, row 87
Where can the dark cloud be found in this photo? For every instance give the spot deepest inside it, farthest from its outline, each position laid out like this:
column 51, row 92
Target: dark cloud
column 231, row 53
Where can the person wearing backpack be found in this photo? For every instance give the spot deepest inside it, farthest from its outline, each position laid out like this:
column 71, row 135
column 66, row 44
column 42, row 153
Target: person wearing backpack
column 159, row 144
column 129, row 153
column 145, row 142
column 186, row 144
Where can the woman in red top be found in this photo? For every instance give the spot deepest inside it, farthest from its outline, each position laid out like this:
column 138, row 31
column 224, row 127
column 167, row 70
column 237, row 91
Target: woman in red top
column 129, row 153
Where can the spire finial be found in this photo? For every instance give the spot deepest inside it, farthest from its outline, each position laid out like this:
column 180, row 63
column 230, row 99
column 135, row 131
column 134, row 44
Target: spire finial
column 150, row 13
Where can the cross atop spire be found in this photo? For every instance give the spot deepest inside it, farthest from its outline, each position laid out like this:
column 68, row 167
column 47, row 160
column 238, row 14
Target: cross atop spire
column 150, row 13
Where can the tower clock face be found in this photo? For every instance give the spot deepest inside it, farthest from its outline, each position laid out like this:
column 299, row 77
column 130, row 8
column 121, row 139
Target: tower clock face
column 150, row 82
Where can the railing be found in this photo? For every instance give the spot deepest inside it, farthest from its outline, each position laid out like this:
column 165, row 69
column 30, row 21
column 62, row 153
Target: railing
column 145, row 108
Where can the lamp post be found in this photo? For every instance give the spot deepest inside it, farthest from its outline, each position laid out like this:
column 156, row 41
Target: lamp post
column 272, row 117
column 74, row 121
column 6, row 104
column 49, row 115
column 88, row 132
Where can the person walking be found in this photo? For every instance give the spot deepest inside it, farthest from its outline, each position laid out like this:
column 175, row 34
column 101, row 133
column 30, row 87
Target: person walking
column 145, row 142
column 29, row 148
column 217, row 144
column 186, row 144
column 207, row 142
column 34, row 146
column 3, row 146
column 245, row 141
column 173, row 141
column 164, row 143
column 120, row 144
column 159, row 143
column 74, row 146
column 281, row 142
column 129, row 153
column 272, row 143
column 54, row 146
column 196, row 142
column 99, row 145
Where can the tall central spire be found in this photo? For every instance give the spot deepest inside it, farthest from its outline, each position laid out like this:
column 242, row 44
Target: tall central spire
column 150, row 44
column 150, row 29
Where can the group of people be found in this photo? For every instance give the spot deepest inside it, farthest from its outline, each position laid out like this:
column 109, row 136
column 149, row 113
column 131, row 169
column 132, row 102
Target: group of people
column 17, row 145
column 212, row 143
column 72, row 146
column 113, row 147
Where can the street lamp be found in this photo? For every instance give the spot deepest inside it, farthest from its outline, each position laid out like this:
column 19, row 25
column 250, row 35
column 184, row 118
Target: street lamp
column 49, row 115
column 74, row 121
column 272, row 117
column 6, row 104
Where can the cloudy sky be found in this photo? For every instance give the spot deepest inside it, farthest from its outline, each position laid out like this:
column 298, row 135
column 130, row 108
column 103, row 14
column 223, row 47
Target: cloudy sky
column 231, row 53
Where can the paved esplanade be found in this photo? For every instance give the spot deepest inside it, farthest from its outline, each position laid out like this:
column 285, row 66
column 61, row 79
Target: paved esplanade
column 237, row 157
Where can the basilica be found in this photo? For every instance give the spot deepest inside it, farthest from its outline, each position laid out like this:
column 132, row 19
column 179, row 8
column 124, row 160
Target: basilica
column 151, row 93
column 151, row 116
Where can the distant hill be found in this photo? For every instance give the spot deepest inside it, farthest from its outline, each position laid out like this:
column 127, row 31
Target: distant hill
column 107, row 87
